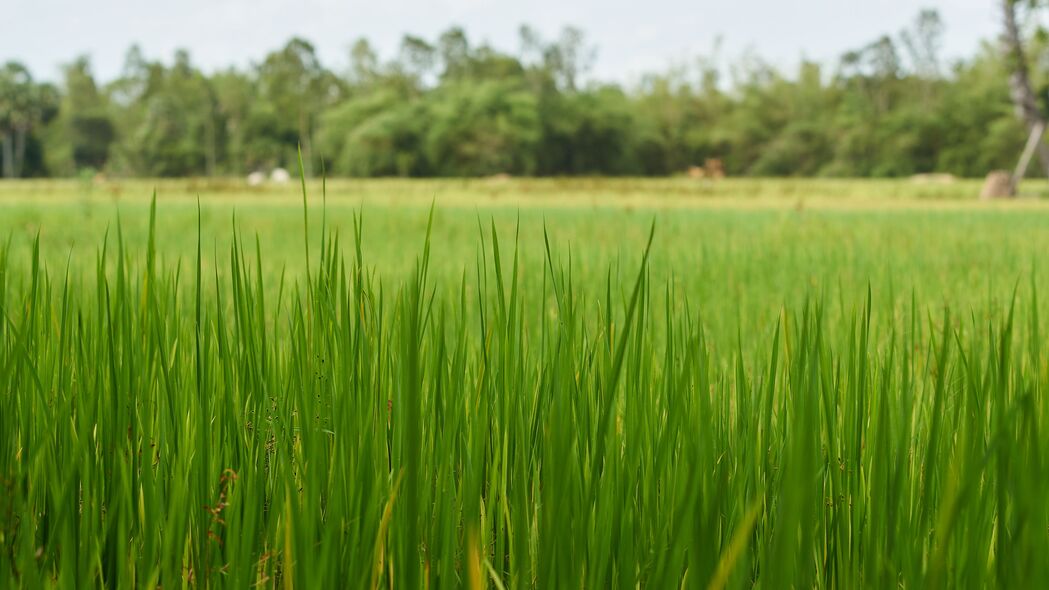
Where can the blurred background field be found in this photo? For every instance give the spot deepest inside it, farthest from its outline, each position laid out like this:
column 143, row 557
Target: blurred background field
column 739, row 250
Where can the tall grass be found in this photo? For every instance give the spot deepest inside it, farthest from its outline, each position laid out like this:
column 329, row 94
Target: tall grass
column 162, row 427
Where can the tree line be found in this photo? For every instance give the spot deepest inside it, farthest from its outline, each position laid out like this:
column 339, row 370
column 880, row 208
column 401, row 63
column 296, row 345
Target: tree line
column 451, row 107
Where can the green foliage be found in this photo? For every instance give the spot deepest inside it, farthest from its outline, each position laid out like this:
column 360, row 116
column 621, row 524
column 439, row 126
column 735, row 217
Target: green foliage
column 482, row 128
column 25, row 106
column 296, row 86
column 79, row 139
column 375, row 134
column 449, row 107
column 173, row 130
column 969, row 147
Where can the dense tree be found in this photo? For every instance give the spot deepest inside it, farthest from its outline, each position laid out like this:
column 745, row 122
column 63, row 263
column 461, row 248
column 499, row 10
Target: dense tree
column 375, row 134
column 298, row 88
column 83, row 133
column 450, row 106
column 173, row 128
column 481, row 128
column 24, row 106
column 979, row 129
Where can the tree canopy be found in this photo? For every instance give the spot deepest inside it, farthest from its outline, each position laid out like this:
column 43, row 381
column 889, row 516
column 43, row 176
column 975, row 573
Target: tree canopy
column 452, row 107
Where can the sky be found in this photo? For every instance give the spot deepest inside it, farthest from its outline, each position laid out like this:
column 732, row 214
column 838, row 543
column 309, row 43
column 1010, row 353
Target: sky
column 631, row 37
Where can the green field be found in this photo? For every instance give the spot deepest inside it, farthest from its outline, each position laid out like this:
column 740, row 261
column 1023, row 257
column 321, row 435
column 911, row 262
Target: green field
column 802, row 384
column 739, row 250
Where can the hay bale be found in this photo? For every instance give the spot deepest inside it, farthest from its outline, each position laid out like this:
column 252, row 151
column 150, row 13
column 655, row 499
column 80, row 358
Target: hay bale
column 997, row 185
column 256, row 178
column 714, row 168
column 280, row 176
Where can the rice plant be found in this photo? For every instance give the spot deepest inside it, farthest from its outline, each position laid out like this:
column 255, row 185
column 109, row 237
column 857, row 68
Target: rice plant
column 163, row 426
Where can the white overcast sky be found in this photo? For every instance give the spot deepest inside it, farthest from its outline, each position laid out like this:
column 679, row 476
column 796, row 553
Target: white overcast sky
column 632, row 36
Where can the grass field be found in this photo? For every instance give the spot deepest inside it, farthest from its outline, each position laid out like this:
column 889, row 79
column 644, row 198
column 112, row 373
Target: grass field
column 738, row 249
column 789, row 384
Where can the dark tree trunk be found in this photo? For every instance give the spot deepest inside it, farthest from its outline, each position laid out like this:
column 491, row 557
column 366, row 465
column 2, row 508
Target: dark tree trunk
column 20, row 135
column 212, row 154
column 1023, row 96
column 7, row 146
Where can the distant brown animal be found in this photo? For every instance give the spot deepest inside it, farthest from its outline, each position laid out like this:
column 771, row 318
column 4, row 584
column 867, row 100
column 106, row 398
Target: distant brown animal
column 998, row 185
column 714, row 168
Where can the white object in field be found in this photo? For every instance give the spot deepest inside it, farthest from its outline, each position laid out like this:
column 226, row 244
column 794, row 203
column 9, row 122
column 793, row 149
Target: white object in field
column 256, row 178
column 280, row 176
